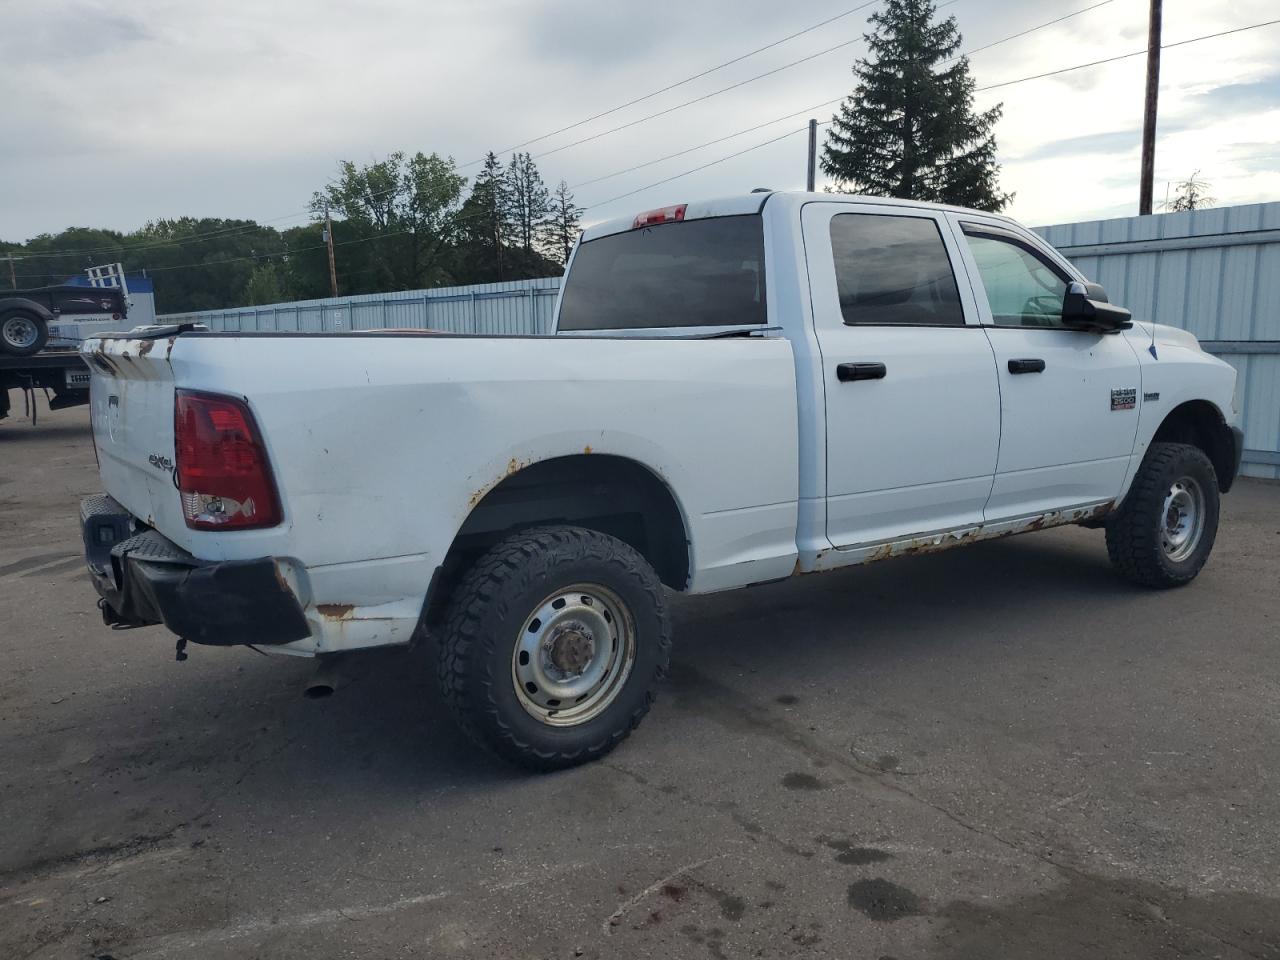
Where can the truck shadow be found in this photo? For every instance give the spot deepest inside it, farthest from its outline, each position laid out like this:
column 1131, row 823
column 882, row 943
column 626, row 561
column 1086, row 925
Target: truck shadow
column 230, row 731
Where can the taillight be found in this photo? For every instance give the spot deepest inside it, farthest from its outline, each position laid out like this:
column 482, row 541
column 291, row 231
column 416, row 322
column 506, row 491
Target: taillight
column 221, row 465
column 661, row 215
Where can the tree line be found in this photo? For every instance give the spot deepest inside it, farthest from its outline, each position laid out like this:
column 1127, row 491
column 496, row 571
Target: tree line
column 401, row 223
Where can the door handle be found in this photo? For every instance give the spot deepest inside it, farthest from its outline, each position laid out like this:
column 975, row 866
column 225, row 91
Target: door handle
column 1026, row 366
column 859, row 371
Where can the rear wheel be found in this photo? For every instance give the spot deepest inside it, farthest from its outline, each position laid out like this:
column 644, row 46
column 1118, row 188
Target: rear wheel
column 1164, row 531
column 553, row 645
column 22, row 333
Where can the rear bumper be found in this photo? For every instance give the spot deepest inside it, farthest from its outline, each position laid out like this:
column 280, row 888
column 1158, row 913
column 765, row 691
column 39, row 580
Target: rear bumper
column 144, row 578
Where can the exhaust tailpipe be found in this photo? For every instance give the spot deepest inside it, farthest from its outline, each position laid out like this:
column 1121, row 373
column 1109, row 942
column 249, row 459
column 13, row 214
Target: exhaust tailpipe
column 323, row 682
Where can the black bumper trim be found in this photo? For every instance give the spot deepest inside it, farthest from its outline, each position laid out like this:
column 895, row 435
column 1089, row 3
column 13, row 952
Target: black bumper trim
column 146, row 579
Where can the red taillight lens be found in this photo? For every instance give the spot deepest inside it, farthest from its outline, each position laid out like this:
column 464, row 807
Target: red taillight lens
column 221, row 465
column 661, row 215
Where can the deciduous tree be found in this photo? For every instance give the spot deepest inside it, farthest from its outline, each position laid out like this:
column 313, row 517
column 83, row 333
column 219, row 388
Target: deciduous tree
column 407, row 206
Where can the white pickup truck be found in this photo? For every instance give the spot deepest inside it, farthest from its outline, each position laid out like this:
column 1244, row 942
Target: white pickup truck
column 740, row 390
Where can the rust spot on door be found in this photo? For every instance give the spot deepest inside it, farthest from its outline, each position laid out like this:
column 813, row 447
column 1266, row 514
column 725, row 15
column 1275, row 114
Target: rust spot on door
column 336, row 611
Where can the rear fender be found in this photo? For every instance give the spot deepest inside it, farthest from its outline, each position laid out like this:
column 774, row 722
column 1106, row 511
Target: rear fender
column 22, row 303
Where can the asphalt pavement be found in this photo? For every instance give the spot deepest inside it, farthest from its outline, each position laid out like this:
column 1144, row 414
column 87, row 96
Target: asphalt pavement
column 1000, row 751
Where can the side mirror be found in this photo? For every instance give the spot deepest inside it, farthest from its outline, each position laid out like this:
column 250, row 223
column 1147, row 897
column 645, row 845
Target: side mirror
column 1085, row 307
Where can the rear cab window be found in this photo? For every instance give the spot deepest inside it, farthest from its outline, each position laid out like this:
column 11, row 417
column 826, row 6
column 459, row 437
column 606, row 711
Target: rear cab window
column 707, row 272
column 893, row 270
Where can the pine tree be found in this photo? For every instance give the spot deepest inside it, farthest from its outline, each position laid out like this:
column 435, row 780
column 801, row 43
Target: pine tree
column 563, row 225
column 908, row 129
column 529, row 203
column 488, row 214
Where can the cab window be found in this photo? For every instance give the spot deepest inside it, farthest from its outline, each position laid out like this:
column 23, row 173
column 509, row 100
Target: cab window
column 1023, row 289
column 893, row 270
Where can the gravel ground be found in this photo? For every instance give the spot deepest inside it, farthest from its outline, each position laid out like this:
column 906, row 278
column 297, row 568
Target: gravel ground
column 1001, row 751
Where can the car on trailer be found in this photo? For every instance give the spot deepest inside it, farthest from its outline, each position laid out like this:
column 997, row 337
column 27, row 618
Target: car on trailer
column 41, row 330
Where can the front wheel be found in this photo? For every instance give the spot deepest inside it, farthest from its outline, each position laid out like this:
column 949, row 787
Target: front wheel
column 22, row 333
column 1162, row 534
column 553, row 645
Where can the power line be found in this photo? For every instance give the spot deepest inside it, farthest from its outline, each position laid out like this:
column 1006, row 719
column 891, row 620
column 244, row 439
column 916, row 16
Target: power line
column 681, row 83
column 1023, row 33
column 790, row 133
column 708, row 96
column 1126, row 56
column 709, row 143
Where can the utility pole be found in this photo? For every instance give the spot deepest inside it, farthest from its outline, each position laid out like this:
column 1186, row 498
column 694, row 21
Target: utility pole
column 13, row 278
column 1149, row 110
column 328, row 239
column 811, row 174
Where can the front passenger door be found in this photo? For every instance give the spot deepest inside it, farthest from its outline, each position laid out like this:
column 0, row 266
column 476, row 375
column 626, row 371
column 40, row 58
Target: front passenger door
column 1068, row 398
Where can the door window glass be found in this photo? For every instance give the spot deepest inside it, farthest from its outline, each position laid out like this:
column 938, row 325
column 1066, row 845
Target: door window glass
column 893, row 270
column 1022, row 289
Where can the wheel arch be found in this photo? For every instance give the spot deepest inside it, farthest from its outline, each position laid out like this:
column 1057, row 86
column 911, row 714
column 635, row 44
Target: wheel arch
column 608, row 493
column 1201, row 424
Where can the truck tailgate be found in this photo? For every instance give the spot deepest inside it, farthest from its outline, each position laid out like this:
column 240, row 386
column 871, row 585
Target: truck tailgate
column 131, row 404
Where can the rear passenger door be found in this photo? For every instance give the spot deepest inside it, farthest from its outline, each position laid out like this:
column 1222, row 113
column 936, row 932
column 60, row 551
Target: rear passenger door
column 912, row 403
column 1068, row 398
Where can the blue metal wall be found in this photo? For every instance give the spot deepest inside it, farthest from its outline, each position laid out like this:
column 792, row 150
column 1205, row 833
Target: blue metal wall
column 1214, row 272
column 515, row 307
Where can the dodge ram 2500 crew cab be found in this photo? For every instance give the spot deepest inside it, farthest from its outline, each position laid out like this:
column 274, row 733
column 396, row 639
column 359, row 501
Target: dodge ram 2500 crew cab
column 739, row 390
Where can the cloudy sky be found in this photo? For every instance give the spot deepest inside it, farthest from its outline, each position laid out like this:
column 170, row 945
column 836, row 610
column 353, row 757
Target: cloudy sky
column 114, row 113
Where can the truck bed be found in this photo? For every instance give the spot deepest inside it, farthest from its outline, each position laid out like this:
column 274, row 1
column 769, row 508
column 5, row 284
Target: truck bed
column 382, row 445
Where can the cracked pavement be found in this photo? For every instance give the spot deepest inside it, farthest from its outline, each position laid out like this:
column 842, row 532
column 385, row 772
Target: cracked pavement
column 998, row 751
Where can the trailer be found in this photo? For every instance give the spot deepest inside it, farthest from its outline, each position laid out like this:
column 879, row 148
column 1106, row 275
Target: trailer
column 62, row 374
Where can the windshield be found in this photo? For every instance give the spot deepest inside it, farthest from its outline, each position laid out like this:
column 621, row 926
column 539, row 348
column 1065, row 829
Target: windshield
column 696, row 273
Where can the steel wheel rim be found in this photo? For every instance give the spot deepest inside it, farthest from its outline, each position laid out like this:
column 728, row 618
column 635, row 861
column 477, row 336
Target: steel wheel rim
column 19, row 332
column 573, row 655
column 1182, row 519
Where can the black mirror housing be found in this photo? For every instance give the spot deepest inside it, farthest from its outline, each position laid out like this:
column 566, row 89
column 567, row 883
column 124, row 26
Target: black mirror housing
column 1085, row 307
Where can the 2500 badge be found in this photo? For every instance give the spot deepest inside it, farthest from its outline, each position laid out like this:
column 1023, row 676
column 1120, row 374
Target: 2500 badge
column 1124, row 399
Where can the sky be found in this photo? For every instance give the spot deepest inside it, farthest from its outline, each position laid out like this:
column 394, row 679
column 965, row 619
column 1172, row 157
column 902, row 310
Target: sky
column 116, row 113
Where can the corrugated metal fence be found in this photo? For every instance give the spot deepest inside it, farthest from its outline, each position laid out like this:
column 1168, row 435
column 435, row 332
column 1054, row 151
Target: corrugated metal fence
column 1214, row 272
column 514, row 307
